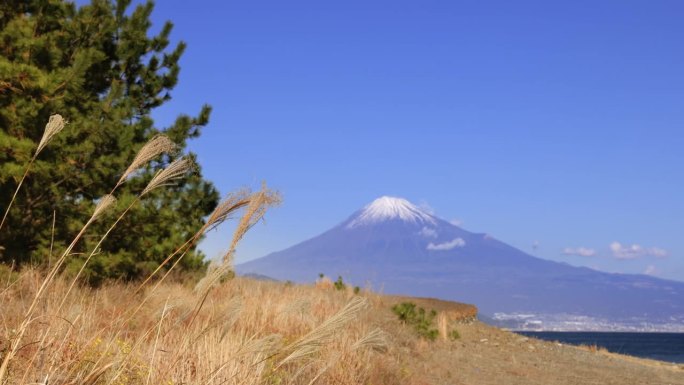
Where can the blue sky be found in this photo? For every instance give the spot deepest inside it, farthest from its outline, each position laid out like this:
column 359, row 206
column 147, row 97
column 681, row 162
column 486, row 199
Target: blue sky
column 553, row 127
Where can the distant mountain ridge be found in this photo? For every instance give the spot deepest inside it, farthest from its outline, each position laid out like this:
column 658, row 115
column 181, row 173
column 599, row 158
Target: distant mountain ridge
column 400, row 249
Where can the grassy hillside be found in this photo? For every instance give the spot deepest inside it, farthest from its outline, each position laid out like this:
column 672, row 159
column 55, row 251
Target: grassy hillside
column 246, row 332
column 258, row 332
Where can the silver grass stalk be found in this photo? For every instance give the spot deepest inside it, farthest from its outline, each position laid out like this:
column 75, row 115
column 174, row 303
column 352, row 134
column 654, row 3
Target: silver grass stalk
column 213, row 275
column 54, row 125
column 105, row 202
column 260, row 349
column 159, row 144
column 259, row 203
column 264, row 345
column 173, row 172
column 103, row 205
column 256, row 209
column 231, row 315
column 299, row 305
column 331, row 361
column 375, row 339
column 222, row 212
column 315, row 339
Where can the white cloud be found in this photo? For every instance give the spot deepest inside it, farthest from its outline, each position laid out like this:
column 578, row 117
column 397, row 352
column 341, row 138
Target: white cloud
column 423, row 205
column 650, row 270
column 658, row 252
column 636, row 251
column 456, row 222
column 581, row 251
column 428, row 232
column 454, row 243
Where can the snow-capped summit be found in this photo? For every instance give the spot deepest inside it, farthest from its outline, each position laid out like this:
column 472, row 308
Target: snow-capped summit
column 386, row 208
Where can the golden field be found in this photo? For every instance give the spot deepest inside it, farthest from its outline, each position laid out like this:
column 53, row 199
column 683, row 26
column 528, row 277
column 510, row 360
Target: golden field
column 259, row 332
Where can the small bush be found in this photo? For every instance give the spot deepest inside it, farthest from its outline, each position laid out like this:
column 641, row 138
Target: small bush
column 454, row 335
column 339, row 284
column 418, row 318
column 357, row 290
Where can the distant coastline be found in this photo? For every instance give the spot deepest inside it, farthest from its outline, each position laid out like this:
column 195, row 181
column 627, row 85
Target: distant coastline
column 562, row 322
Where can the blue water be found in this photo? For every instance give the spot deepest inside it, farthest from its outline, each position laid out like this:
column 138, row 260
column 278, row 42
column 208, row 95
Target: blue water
column 658, row 346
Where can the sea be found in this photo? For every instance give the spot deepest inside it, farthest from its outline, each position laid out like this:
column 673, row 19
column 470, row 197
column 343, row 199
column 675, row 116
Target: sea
column 667, row 347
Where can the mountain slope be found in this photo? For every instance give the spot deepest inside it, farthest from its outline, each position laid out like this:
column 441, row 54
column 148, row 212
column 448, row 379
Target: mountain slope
column 399, row 249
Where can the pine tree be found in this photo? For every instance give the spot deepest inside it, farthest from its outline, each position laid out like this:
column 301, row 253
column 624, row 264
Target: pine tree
column 97, row 66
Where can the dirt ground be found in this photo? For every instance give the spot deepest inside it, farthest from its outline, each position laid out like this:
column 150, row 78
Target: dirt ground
column 487, row 355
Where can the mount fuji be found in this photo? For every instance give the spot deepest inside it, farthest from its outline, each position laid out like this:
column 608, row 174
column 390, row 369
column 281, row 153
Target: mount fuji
column 398, row 248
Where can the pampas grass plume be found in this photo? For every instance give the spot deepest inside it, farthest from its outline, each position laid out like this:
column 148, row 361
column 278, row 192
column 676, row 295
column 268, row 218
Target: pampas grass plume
column 105, row 203
column 258, row 204
column 159, row 144
column 174, row 171
column 234, row 201
column 54, row 125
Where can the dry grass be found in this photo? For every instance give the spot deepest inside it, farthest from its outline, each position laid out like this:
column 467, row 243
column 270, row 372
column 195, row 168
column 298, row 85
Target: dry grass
column 258, row 332
column 55, row 331
column 325, row 283
column 594, row 348
column 248, row 332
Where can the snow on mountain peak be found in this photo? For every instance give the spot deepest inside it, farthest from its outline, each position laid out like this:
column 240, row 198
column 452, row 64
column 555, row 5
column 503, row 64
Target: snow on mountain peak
column 385, row 208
